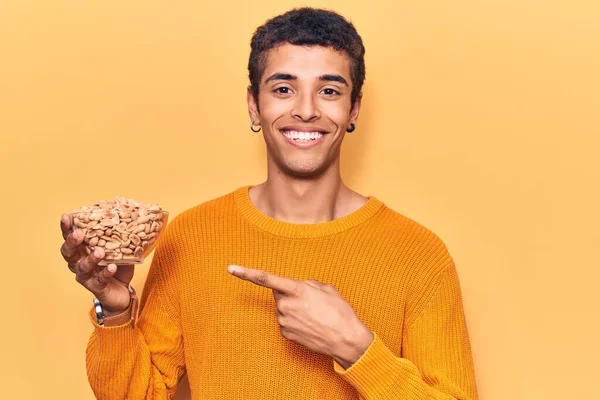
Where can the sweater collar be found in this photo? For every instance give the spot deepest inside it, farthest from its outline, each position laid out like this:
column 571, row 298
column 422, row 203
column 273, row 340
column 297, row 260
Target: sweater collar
column 294, row 230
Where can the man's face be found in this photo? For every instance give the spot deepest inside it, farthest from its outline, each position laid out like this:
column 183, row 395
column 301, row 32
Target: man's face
column 305, row 108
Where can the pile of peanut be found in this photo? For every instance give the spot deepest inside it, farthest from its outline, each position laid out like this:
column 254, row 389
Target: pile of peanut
column 125, row 228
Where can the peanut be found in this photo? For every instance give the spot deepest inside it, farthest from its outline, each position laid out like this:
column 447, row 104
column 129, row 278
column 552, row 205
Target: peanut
column 138, row 229
column 78, row 223
column 138, row 252
column 112, row 245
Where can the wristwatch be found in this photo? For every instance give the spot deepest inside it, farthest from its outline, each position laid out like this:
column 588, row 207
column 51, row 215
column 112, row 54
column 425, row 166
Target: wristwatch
column 126, row 316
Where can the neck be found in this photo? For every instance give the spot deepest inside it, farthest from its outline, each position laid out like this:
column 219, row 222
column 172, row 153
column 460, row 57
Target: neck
column 305, row 201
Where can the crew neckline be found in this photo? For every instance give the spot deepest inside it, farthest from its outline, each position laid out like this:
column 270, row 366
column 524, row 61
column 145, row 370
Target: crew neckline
column 295, row 230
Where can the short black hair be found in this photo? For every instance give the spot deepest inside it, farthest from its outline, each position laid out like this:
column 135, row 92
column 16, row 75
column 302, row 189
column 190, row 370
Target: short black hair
column 308, row 26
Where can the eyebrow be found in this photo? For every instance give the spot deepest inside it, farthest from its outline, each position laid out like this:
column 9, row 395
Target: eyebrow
column 279, row 76
column 333, row 78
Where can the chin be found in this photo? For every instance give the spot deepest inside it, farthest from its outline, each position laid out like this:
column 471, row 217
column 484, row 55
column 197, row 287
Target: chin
column 304, row 169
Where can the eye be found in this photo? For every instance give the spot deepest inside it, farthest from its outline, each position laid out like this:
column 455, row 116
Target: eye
column 330, row 92
column 282, row 90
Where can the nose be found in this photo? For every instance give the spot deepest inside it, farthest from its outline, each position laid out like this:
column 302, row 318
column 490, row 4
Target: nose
column 306, row 108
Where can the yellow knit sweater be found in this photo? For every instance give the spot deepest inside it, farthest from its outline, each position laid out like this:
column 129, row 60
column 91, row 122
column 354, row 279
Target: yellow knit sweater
column 197, row 318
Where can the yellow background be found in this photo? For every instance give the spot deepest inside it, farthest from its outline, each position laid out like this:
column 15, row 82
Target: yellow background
column 480, row 120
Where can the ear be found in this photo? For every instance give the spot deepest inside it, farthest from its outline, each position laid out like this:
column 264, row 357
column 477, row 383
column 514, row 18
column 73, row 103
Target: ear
column 252, row 107
column 355, row 110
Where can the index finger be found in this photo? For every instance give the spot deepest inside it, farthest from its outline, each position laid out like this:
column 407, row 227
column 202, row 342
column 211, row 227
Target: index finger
column 265, row 279
column 65, row 225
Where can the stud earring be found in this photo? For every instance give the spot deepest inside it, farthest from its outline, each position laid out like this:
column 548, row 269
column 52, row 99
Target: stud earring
column 351, row 129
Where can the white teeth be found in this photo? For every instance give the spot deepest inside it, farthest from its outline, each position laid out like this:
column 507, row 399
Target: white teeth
column 295, row 135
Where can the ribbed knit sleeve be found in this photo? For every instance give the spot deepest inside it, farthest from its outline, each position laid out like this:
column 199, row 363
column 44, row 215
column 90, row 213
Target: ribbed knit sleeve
column 436, row 361
column 145, row 362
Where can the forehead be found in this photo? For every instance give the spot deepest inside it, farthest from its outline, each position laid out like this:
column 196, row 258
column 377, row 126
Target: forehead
column 307, row 61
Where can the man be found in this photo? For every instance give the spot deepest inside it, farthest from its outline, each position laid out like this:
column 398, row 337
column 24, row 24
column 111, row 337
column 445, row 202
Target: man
column 329, row 295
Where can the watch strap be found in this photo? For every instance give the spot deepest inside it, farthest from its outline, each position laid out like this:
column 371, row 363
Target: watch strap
column 129, row 315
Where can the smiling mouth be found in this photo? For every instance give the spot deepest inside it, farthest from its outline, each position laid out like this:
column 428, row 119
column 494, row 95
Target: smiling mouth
column 298, row 136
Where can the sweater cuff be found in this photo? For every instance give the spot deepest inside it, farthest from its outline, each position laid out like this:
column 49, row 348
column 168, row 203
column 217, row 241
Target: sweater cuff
column 114, row 342
column 374, row 372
